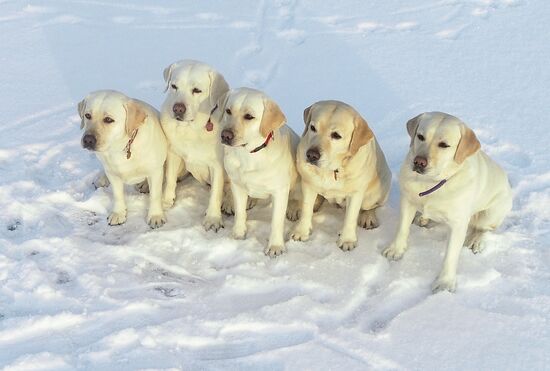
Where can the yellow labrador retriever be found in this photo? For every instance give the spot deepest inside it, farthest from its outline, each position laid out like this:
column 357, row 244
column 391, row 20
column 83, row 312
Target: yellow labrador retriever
column 127, row 138
column 259, row 160
column 339, row 158
column 193, row 90
column 448, row 179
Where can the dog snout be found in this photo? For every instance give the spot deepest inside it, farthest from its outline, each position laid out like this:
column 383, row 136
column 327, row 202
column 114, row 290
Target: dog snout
column 89, row 141
column 227, row 136
column 179, row 110
column 420, row 164
column 313, row 155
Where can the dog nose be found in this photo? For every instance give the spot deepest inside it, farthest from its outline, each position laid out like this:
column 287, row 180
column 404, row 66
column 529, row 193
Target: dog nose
column 313, row 155
column 179, row 109
column 420, row 162
column 89, row 141
column 227, row 136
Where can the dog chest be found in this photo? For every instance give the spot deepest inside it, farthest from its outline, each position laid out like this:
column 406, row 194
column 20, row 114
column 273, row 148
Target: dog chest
column 260, row 178
column 131, row 171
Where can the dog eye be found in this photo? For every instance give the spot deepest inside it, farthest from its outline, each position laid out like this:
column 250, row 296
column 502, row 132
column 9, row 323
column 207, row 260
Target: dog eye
column 335, row 135
column 443, row 145
column 88, row 116
column 174, row 86
column 228, row 111
column 197, row 91
column 108, row 120
column 313, row 128
column 421, row 137
column 248, row 116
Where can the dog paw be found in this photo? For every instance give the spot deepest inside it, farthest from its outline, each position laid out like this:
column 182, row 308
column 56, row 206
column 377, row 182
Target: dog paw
column 274, row 251
column 143, row 187
column 101, row 181
column 444, row 284
column 475, row 242
column 251, row 202
column 239, row 233
column 420, row 221
column 393, row 252
column 368, row 220
column 227, row 205
column 347, row 244
column 212, row 222
column 156, row 221
column 293, row 210
column 116, row 218
column 301, row 233
column 168, row 201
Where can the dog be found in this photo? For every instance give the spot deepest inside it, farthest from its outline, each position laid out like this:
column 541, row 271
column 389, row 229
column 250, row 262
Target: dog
column 127, row 138
column 339, row 158
column 449, row 179
column 259, row 158
column 193, row 91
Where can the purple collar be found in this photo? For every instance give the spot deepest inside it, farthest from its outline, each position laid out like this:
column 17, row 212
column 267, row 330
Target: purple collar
column 433, row 189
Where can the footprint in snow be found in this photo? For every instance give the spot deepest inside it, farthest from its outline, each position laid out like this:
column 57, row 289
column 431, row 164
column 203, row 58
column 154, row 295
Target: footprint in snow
column 169, row 293
column 62, row 278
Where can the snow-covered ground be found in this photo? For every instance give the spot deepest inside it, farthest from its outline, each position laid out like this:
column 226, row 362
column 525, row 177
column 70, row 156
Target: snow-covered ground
column 76, row 293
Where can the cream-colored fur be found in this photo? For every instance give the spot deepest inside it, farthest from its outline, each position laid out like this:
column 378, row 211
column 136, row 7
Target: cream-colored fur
column 192, row 147
column 351, row 169
column 270, row 172
column 475, row 198
column 147, row 151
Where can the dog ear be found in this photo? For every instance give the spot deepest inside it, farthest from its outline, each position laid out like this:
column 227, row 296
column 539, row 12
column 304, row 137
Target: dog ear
column 217, row 115
column 218, row 86
column 307, row 118
column 81, row 109
column 361, row 135
column 468, row 145
column 167, row 73
column 412, row 125
column 272, row 118
column 135, row 116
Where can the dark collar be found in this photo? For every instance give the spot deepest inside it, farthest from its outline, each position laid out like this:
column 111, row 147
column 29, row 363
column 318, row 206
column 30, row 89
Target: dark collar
column 269, row 137
column 433, row 189
column 128, row 147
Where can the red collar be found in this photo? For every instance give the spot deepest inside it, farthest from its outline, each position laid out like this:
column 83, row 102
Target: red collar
column 209, row 125
column 269, row 137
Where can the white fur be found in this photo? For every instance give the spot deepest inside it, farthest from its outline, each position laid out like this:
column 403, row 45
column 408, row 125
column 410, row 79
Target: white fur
column 192, row 147
column 148, row 150
column 270, row 172
column 475, row 198
column 363, row 179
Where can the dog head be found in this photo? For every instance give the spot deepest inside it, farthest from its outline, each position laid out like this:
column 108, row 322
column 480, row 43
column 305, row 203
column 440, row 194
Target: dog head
column 440, row 143
column 108, row 117
column 193, row 88
column 247, row 117
column 334, row 132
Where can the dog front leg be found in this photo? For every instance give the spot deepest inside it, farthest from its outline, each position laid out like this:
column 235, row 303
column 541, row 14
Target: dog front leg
column 276, row 245
column 399, row 245
column 348, row 235
column 240, row 198
column 173, row 166
column 156, row 217
column 213, row 219
column 118, row 215
column 303, row 228
column 447, row 277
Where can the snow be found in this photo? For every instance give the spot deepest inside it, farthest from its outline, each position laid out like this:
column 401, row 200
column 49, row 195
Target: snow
column 76, row 293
